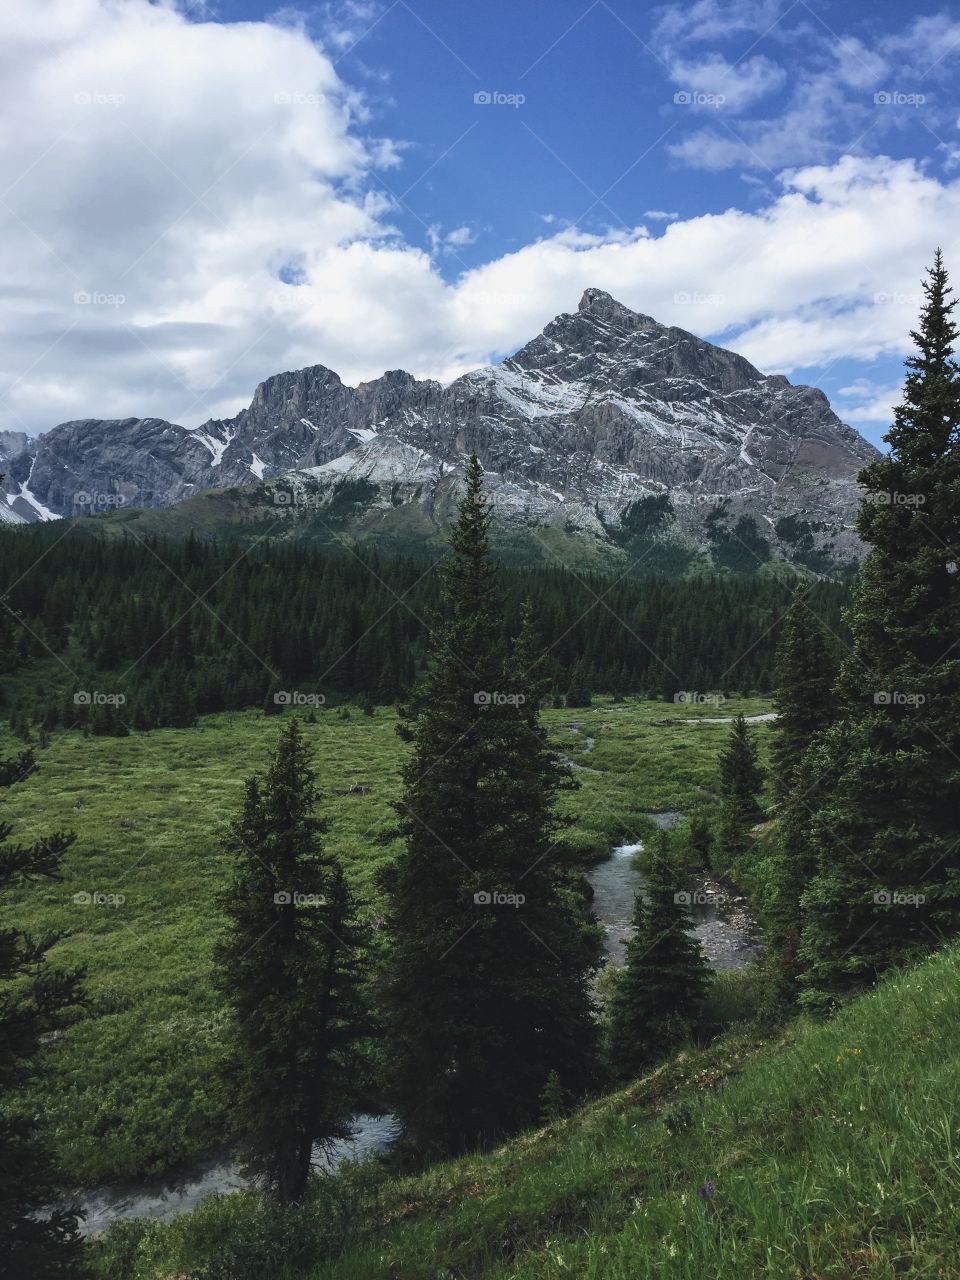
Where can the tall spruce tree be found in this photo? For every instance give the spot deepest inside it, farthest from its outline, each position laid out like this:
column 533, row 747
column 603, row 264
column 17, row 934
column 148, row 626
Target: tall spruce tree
column 659, row 995
column 288, row 965
column 741, row 779
column 884, row 834
column 805, row 672
column 32, row 997
column 487, row 982
column 803, row 696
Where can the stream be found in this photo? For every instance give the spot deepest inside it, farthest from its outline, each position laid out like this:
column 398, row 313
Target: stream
column 216, row 1176
column 728, row 933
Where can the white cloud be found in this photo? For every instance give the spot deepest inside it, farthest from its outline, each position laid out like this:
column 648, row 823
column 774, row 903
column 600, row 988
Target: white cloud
column 738, row 85
column 830, row 269
column 868, row 402
column 925, row 44
column 168, row 169
column 829, row 107
column 450, row 241
column 716, row 20
column 180, row 184
column 344, row 22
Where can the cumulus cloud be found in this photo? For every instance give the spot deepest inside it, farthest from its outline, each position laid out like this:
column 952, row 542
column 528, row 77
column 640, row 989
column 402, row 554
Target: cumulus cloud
column 191, row 207
column 159, row 175
column 830, row 269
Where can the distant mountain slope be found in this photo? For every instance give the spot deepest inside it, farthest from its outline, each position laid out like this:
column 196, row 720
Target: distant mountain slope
column 607, row 424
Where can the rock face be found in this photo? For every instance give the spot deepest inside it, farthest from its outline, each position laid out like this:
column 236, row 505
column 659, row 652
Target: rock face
column 604, row 409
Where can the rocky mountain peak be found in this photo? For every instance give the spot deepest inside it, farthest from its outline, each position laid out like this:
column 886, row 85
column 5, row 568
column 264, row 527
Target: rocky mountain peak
column 603, row 410
column 599, row 305
column 595, row 299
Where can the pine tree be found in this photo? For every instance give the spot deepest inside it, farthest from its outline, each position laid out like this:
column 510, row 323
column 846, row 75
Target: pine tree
column 884, row 834
column 554, row 1101
column 289, row 967
column 578, row 691
column 805, row 704
column 699, row 841
column 741, row 779
column 32, row 995
column 658, row 997
column 792, row 868
column 803, row 694
column 487, row 985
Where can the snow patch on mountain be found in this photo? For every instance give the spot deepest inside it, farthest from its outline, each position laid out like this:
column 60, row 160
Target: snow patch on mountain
column 216, row 444
column 28, row 496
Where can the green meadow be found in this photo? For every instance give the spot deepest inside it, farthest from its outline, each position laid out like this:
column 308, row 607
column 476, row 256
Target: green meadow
column 132, row 1085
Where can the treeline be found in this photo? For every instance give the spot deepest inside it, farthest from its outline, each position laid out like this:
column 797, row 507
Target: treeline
column 157, row 633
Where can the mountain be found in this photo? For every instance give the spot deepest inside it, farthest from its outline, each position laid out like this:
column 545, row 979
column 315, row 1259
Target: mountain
column 636, row 436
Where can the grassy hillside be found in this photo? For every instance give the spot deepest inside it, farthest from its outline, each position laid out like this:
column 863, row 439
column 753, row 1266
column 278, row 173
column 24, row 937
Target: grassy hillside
column 348, row 515
column 359, row 513
column 828, row 1153
column 132, row 1085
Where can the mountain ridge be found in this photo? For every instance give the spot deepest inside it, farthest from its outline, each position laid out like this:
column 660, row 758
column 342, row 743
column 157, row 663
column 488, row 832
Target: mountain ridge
column 606, row 409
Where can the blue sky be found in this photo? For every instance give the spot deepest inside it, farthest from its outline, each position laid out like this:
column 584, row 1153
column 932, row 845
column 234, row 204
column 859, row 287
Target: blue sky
column 772, row 175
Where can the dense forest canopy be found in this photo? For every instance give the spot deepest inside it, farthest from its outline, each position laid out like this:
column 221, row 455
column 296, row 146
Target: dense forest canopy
column 185, row 628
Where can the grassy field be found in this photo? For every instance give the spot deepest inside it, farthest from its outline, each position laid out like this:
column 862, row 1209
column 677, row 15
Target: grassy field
column 132, row 1085
column 828, row 1152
